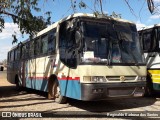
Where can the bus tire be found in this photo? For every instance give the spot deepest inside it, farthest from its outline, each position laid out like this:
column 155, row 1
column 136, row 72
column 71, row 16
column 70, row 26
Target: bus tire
column 149, row 92
column 54, row 91
column 2, row 68
column 18, row 83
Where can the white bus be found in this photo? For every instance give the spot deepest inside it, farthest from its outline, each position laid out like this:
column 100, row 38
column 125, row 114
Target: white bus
column 150, row 41
column 81, row 57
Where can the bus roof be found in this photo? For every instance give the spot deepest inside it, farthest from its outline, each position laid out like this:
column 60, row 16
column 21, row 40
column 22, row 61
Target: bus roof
column 149, row 27
column 54, row 25
column 79, row 15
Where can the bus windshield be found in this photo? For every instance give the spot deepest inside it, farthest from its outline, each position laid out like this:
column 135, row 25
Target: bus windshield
column 114, row 43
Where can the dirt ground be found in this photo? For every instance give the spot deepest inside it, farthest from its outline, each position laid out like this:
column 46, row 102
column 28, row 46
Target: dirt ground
column 31, row 101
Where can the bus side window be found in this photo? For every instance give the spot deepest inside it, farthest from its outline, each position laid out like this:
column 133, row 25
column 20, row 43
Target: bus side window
column 23, row 50
column 24, row 54
column 67, row 46
column 63, row 43
column 147, row 41
column 18, row 53
column 12, row 55
column 15, row 54
column 31, row 49
column 38, row 46
column 44, row 44
column 27, row 50
column 158, row 38
column 51, row 41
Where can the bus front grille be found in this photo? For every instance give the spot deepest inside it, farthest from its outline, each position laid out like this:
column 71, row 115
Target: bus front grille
column 121, row 78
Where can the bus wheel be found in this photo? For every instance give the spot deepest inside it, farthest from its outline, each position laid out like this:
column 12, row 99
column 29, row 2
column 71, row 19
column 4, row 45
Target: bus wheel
column 54, row 92
column 18, row 84
column 2, row 68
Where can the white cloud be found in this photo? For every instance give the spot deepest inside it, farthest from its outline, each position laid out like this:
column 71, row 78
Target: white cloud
column 140, row 25
column 10, row 29
column 155, row 17
column 5, row 48
column 6, row 38
column 157, row 1
column 3, row 52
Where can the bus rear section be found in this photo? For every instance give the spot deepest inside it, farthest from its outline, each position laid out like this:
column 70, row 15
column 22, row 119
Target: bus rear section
column 150, row 45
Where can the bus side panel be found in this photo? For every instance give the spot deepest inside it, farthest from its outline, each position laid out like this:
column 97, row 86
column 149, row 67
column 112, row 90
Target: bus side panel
column 10, row 73
column 42, row 84
column 42, row 69
column 38, row 71
column 153, row 64
column 30, row 74
column 40, row 79
column 38, row 83
column 70, row 87
column 155, row 76
column 156, row 86
column 25, row 73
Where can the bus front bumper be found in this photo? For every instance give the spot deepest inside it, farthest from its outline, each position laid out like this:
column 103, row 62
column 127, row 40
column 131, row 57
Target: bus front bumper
column 104, row 91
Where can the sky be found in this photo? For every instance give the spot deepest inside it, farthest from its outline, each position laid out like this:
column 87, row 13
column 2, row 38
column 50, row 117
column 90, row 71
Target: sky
column 140, row 15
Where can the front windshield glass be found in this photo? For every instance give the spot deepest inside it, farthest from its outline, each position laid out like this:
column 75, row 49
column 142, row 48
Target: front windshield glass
column 108, row 42
column 129, row 43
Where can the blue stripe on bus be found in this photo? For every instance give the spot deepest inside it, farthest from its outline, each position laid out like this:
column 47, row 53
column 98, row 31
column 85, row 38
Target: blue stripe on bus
column 70, row 88
column 41, row 85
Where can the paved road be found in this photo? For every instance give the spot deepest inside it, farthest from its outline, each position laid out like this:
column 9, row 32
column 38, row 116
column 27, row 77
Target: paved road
column 29, row 100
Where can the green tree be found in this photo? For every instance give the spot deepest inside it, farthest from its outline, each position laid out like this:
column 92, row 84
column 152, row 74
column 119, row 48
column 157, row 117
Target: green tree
column 21, row 12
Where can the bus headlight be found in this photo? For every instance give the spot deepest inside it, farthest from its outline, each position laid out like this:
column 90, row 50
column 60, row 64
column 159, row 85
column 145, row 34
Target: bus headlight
column 94, row 79
column 141, row 78
column 98, row 79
